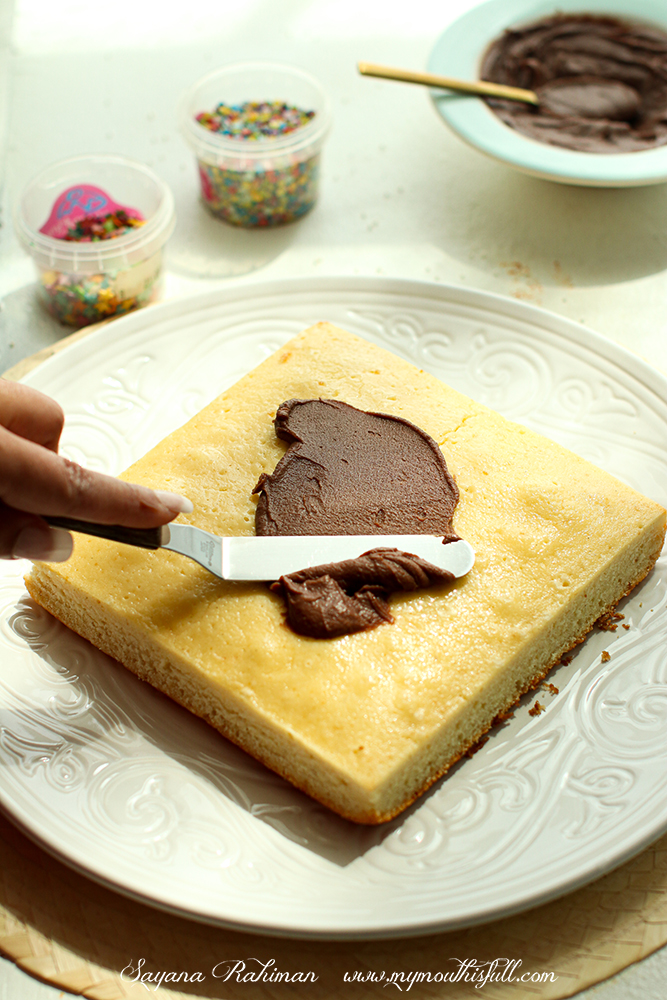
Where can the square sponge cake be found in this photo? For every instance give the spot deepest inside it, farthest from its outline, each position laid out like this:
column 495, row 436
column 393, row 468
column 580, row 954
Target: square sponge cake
column 364, row 723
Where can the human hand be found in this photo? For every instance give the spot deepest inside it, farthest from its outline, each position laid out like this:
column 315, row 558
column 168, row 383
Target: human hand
column 35, row 480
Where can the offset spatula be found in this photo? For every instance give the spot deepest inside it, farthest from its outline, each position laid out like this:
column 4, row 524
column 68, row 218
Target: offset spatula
column 259, row 557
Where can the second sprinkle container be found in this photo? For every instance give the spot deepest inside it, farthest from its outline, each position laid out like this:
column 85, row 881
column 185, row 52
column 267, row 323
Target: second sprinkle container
column 257, row 130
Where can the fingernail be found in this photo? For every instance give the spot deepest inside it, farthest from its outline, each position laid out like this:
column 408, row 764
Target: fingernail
column 174, row 501
column 47, row 544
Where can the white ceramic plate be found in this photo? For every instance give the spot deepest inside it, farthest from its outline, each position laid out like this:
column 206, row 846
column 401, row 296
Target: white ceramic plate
column 459, row 52
column 131, row 789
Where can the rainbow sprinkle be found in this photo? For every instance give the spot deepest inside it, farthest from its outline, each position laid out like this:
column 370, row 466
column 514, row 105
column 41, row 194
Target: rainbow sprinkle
column 93, row 228
column 254, row 120
column 255, row 198
column 78, row 299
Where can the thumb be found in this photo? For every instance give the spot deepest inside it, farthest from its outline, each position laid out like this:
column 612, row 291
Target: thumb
column 24, row 536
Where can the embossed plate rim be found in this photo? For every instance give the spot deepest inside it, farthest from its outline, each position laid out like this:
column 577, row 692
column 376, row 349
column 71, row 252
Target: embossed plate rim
column 579, row 335
column 252, row 298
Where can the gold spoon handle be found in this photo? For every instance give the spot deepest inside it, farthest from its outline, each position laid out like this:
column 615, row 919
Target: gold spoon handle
column 480, row 87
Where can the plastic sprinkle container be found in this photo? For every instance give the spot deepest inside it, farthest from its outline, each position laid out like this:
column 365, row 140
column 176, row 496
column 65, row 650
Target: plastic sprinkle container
column 257, row 131
column 95, row 227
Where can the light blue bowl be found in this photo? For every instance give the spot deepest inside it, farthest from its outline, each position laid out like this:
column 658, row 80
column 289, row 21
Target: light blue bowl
column 459, row 52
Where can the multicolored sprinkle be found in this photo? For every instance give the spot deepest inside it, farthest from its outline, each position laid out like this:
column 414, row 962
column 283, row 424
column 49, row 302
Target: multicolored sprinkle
column 255, row 198
column 79, row 299
column 93, row 228
column 254, row 120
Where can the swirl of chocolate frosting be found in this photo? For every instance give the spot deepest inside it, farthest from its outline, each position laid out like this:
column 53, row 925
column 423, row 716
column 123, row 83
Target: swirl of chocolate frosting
column 350, row 596
column 349, row 472
column 601, row 82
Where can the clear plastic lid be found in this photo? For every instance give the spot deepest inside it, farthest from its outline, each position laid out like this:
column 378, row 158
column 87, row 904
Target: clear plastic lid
column 241, row 82
column 128, row 183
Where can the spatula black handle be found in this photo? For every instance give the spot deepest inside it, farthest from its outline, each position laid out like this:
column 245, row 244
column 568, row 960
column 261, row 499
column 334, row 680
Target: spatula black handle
column 143, row 538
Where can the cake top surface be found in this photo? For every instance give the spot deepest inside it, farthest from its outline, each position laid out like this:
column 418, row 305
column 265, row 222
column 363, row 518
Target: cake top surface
column 541, row 520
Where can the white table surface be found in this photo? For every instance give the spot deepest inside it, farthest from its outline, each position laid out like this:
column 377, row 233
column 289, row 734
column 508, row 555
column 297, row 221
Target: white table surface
column 400, row 195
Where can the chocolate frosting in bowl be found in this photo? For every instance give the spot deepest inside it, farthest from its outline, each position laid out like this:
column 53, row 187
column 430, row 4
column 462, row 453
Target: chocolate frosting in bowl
column 349, row 472
column 601, row 81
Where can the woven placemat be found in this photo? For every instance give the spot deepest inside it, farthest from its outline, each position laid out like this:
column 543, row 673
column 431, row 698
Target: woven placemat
column 79, row 936
column 74, row 934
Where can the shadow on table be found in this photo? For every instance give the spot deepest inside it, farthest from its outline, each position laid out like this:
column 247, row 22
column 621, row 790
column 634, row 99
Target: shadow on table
column 26, row 327
column 559, row 234
column 205, row 247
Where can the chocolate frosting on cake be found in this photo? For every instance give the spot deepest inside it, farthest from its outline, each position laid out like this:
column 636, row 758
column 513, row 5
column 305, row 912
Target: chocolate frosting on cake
column 348, row 472
column 350, row 596
column 602, row 82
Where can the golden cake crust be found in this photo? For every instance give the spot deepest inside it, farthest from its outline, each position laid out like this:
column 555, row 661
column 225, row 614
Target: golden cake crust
column 364, row 723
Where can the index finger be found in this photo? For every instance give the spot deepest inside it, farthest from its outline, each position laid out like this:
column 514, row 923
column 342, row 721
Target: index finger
column 30, row 414
column 38, row 481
